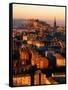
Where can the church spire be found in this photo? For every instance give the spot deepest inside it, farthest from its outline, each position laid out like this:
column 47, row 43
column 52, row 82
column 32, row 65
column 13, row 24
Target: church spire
column 54, row 23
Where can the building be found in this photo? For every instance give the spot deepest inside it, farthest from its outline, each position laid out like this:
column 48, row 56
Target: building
column 39, row 61
column 54, row 24
column 21, row 80
column 60, row 60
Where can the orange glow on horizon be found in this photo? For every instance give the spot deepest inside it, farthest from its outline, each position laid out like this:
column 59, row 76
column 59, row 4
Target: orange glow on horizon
column 36, row 12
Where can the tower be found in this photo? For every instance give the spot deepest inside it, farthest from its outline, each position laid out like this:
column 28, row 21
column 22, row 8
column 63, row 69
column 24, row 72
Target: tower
column 54, row 24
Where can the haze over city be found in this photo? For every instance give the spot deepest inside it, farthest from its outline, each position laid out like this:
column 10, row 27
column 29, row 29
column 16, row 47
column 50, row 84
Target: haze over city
column 46, row 13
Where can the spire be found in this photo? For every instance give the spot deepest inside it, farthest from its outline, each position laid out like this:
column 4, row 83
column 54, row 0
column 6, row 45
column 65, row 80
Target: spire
column 54, row 23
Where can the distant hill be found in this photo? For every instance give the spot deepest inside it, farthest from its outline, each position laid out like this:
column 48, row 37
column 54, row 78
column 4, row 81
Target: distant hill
column 23, row 23
column 19, row 23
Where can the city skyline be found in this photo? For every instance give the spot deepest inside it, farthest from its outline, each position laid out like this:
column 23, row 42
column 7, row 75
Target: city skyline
column 45, row 13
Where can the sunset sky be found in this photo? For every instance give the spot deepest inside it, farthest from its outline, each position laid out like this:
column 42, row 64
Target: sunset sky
column 47, row 13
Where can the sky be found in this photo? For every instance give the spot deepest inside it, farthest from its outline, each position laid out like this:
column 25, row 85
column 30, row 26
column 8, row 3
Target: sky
column 48, row 13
